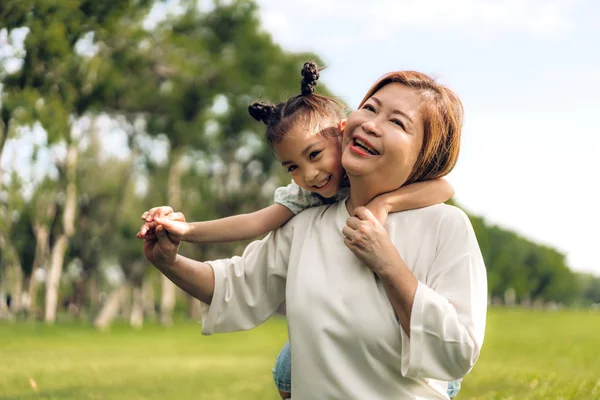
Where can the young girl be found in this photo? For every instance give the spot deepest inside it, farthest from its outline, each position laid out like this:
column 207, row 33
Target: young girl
column 304, row 133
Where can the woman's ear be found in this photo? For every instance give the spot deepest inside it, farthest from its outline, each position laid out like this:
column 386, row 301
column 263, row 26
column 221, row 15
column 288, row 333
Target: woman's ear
column 342, row 126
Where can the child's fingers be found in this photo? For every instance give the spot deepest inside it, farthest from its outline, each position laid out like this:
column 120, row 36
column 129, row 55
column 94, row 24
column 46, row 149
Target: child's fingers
column 160, row 212
column 149, row 214
column 177, row 216
column 167, row 223
column 364, row 214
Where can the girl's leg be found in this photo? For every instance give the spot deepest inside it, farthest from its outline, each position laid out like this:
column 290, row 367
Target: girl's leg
column 282, row 372
column 454, row 388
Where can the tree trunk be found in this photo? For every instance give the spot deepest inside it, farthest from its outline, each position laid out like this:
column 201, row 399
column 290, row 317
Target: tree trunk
column 53, row 277
column 42, row 234
column 14, row 274
column 167, row 301
column 149, row 305
column 195, row 308
column 126, row 303
column 4, row 311
column 60, row 247
column 79, row 294
column 137, row 308
column 34, row 285
column 17, row 287
column 5, row 121
column 111, row 307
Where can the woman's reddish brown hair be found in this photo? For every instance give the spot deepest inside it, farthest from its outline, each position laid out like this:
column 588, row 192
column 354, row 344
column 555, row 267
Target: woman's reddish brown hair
column 442, row 113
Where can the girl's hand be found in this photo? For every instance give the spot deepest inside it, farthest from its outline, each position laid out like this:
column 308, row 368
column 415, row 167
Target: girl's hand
column 154, row 212
column 370, row 242
column 379, row 208
column 152, row 216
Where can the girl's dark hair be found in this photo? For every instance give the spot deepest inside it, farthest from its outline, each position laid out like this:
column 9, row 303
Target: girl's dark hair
column 317, row 112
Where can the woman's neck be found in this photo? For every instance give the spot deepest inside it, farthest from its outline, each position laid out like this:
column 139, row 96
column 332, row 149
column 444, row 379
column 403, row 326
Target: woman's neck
column 361, row 193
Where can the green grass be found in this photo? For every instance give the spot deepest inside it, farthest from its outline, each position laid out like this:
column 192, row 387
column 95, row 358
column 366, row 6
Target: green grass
column 527, row 355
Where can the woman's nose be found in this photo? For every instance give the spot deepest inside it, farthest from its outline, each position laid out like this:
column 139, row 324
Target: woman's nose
column 371, row 127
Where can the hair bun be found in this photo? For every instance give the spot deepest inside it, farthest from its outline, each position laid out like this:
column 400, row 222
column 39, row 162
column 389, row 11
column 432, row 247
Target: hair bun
column 310, row 76
column 261, row 111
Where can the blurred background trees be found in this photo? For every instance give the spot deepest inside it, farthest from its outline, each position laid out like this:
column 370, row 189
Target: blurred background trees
column 108, row 108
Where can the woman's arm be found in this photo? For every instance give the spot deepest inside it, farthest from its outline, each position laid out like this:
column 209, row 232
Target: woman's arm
column 443, row 319
column 409, row 197
column 196, row 278
column 370, row 242
column 242, row 291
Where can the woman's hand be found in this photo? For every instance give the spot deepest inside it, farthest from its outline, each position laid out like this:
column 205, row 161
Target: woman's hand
column 370, row 242
column 160, row 249
column 177, row 230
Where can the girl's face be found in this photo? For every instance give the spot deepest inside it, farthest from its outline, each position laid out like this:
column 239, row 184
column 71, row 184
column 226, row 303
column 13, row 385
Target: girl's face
column 313, row 160
column 383, row 138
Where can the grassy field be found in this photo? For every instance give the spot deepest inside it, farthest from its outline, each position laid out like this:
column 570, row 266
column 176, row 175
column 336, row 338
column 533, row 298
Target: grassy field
column 527, row 355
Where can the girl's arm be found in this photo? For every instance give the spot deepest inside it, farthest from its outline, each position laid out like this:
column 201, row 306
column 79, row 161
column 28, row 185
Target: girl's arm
column 239, row 227
column 230, row 229
column 288, row 201
column 409, row 197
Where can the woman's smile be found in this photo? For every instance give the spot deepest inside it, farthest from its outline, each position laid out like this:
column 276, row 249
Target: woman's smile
column 363, row 147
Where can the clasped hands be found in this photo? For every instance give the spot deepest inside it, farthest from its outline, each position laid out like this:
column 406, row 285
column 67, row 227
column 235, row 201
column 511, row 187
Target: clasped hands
column 162, row 231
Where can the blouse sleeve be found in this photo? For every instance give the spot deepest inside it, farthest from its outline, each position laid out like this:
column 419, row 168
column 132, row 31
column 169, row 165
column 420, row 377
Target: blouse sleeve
column 448, row 318
column 250, row 288
column 296, row 199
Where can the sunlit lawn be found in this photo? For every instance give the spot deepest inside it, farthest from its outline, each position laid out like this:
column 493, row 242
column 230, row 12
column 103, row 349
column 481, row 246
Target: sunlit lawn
column 527, row 355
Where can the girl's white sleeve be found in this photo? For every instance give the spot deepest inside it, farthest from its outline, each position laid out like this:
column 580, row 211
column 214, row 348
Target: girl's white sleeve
column 448, row 317
column 250, row 288
column 295, row 198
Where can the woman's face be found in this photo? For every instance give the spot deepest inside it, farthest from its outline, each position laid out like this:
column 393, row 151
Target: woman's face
column 383, row 138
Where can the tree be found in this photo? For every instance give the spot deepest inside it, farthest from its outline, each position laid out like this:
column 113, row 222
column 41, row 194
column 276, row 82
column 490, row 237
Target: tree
column 54, row 86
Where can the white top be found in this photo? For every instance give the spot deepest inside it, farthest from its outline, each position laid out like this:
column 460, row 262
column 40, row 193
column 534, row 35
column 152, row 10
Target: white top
column 346, row 342
column 297, row 199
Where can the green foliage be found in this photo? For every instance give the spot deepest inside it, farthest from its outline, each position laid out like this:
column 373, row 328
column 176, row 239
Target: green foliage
column 590, row 287
column 532, row 270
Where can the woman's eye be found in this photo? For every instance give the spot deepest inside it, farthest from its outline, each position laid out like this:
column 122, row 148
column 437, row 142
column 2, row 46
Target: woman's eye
column 292, row 168
column 313, row 154
column 398, row 122
column 369, row 107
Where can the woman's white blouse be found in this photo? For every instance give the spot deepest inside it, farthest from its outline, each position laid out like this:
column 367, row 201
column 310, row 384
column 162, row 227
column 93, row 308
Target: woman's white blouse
column 346, row 342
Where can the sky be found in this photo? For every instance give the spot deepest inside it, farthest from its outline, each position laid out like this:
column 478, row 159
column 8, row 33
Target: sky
column 528, row 73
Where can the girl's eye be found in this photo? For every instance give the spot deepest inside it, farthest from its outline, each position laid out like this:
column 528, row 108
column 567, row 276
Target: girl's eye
column 398, row 122
column 291, row 168
column 313, row 154
column 369, row 107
